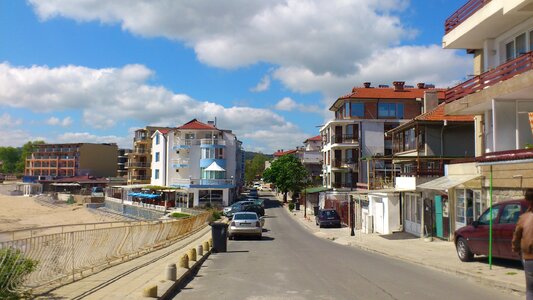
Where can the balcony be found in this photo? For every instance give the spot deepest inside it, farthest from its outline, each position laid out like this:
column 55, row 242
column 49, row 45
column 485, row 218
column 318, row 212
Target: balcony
column 312, row 158
column 138, row 165
column 212, row 143
column 503, row 72
column 345, row 164
column 424, row 171
column 180, row 163
column 344, row 139
column 463, row 13
column 344, row 185
column 185, row 143
column 139, row 178
column 202, row 182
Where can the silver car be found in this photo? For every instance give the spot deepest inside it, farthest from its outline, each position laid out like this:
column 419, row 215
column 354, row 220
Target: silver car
column 245, row 224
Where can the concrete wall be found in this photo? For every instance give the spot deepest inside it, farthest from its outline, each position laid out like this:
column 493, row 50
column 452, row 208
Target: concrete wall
column 161, row 165
column 134, row 211
column 98, row 159
column 458, row 140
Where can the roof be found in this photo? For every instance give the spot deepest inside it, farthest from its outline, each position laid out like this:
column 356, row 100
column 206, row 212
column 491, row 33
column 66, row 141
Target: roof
column 197, row 125
column 281, row 152
column 388, row 93
column 317, row 189
column 215, row 167
column 163, row 131
column 317, row 138
column 436, row 115
column 509, row 155
column 447, row 182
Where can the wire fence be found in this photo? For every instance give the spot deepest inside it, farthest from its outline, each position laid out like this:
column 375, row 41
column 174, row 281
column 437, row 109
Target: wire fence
column 55, row 259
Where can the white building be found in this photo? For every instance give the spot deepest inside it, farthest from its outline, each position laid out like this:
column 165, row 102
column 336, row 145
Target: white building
column 200, row 158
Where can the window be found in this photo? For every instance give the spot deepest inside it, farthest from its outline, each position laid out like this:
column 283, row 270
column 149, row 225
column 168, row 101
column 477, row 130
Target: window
column 156, row 156
column 485, row 218
column 509, row 51
column 520, row 45
column 156, row 175
column 189, row 136
column 157, row 139
column 390, row 110
column 510, row 214
column 531, row 41
column 357, row 109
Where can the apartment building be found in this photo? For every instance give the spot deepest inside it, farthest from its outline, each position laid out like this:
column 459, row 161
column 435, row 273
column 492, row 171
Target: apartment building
column 356, row 152
column 72, row 159
column 311, row 157
column 122, row 162
column 206, row 161
column 139, row 169
column 499, row 35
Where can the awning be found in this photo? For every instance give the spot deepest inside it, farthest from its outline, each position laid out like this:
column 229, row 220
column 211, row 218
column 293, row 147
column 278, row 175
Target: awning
column 65, row 184
column 447, row 182
column 215, row 167
column 317, row 189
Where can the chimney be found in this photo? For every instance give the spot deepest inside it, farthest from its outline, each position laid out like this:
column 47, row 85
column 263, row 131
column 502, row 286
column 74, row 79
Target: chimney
column 212, row 123
column 366, row 84
column 398, row 85
column 421, row 85
column 431, row 101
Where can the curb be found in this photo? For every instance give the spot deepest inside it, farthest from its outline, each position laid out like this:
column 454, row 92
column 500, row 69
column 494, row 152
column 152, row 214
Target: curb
column 480, row 279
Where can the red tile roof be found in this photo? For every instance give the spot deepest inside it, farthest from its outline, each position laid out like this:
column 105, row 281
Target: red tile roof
column 317, row 138
column 438, row 115
column 195, row 124
column 163, row 131
column 281, row 153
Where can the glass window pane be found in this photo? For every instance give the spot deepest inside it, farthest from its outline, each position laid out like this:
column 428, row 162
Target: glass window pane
column 357, row 109
column 460, row 206
column 510, row 214
column 521, row 44
column 531, row 41
column 383, row 110
column 509, row 51
column 399, row 113
column 485, row 218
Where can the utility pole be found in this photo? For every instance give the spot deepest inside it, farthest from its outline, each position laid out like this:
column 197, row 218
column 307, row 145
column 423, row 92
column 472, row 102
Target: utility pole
column 352, row 216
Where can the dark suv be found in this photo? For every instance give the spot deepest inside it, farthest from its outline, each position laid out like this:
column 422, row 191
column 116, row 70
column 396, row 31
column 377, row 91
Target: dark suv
column 473, row 239
column 328, row 217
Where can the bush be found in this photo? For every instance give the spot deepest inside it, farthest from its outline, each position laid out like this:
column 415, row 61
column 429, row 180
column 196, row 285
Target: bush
column 291, row 206
column 14, row 267
column 70, row 200
column 215, row 215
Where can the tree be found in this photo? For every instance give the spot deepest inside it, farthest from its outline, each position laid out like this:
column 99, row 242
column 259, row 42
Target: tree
column 254, row 167
column 287, row 173
column 26, row 151
column 9, row 156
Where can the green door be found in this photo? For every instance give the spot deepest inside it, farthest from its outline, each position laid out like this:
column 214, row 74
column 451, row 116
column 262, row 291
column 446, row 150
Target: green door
column 438, row 216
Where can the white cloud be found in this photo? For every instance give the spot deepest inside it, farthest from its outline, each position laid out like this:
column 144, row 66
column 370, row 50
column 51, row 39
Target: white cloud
column 111, row 95
column 288, row 104
column 321, row 35
column 53, row 121
column 86, row 137
column 7, row 121
column 262, row 85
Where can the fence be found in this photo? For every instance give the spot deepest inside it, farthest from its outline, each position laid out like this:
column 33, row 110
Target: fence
column 68, row 256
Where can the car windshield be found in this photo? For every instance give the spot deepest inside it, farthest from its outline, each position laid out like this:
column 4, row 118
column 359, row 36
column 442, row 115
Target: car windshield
column 329, row 213
column 245, row 217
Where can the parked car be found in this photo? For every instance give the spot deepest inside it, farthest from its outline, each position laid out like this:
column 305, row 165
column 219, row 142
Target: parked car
column 328, row 217
column 245, row 224
column 257, row 201
column 253, row 193
column 255, row 208
column 235, row 207
column 473, row 239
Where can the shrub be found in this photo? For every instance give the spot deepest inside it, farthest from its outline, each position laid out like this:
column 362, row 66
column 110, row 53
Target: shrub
column 178, row 215
column 14, row 267
column 70, row 200
column 291, row 206
column 215, row 215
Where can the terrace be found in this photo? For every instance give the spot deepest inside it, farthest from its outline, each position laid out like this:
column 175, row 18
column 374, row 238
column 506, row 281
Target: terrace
column 463, row 13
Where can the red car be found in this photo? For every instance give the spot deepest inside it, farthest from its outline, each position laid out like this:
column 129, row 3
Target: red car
column 473, row 239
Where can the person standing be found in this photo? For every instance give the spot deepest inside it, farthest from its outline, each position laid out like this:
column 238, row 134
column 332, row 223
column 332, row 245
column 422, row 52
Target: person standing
column 523, row 242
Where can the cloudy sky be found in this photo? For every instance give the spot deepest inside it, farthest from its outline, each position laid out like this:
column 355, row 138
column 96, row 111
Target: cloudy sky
column 94, row 71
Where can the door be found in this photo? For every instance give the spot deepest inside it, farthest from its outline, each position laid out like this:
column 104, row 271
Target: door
column 478, row 240
column 338, row 134
column 503, row 232
column 438, row 217
column 378, row 215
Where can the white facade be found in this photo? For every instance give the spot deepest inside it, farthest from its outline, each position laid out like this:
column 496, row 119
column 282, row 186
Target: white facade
column 205, row 162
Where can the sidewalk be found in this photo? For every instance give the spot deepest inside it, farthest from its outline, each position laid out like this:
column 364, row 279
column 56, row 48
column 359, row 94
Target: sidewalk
column 127, row 280
column 439, row 255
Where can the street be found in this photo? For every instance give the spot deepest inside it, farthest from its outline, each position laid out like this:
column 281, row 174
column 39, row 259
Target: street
column 291, row 263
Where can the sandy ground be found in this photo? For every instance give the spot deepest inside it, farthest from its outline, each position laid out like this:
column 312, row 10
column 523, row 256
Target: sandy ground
column 19, row 212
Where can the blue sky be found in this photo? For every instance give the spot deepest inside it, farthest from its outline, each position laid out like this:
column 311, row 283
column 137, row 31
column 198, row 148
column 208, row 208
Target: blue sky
column 93, row 71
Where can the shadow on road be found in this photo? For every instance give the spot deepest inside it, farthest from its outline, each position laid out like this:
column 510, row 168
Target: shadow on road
column 399, row 236
column 252, row 238
column 500, row 262
column 272, row 203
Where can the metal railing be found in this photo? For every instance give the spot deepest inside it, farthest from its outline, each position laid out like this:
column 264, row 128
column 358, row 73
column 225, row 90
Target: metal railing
column 194, row 181
column 503, row 72
column 212, row 142
column 68, row 256
column 138, row 164
column 344, row 139
column 463, row 13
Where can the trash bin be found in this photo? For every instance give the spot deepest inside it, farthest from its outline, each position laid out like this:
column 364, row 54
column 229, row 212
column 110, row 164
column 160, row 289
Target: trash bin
column 219, row 233
column 315, row 210
column 297, row 205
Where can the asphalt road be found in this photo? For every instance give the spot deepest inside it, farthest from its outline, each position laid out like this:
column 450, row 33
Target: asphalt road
column 291, row 263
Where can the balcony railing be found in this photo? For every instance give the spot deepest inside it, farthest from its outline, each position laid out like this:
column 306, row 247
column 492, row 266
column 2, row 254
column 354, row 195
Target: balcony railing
column 212, row 142
column 345, row 163
column 138, row 164
column 341, row 185
column 463, row 13
column 344, row 138
column 139, row 177
column 503, row 72
column 424, row 171
column 202, row 181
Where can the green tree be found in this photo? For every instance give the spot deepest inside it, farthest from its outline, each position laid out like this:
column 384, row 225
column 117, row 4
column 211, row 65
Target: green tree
column 254, row 167
column 287, row 173
column 26, row 151
column 9, row 156
column 14, row 268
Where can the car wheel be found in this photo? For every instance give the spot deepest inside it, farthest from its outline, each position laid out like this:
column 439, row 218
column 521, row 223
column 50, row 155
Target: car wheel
column 260, row 236
column 230, row 237
column 463, row 251
column 320, row 225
